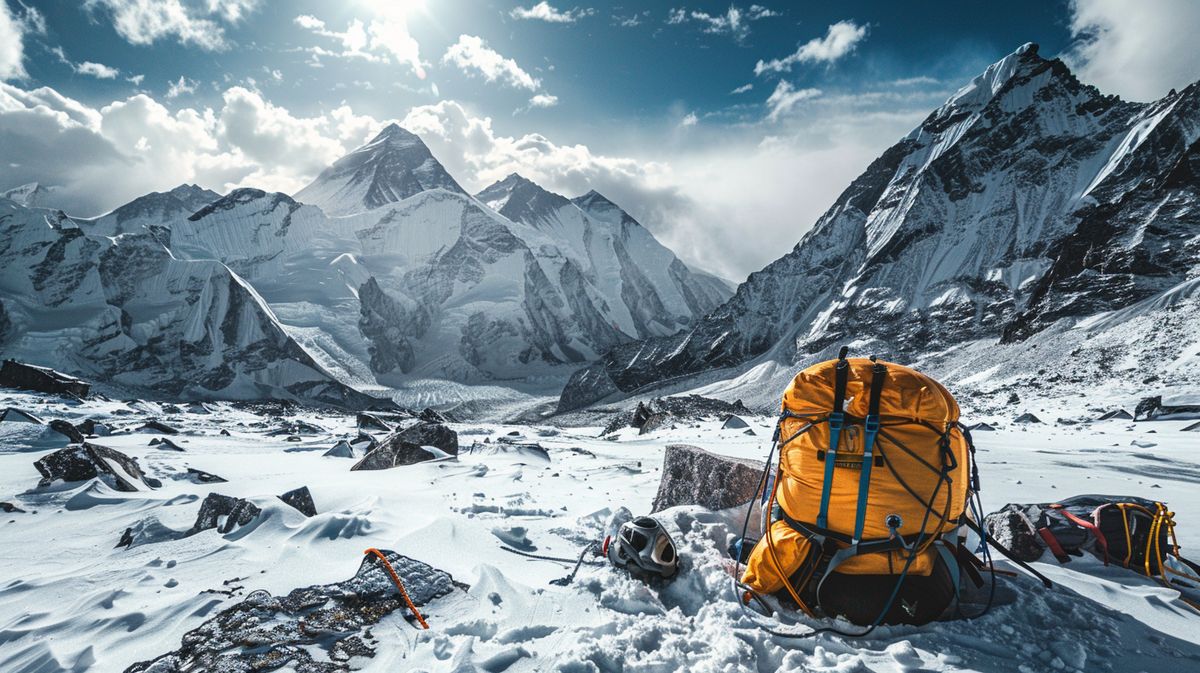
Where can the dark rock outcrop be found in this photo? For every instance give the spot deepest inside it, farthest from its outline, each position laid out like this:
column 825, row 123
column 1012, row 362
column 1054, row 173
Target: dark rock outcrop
column 425, row 433
column 89, row 461
column 301, row 500
column 393, row 452
column 1115, row 415
column 693, row 476
column 432, row 416
column 1027, row 418
column 68, row 430
column 202, row 477
column 9, row 508
column 315, row 629
column 1152, row 408
column 158, row 426
column 366, row 421
column 236, row 512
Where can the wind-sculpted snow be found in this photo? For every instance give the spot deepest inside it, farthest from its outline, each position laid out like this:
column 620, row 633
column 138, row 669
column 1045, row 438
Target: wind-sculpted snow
column 126, row 312
column 1027, row 198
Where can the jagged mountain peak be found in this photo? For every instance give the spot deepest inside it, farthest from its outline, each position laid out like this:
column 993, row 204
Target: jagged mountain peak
column 393, row 166
column 521, row 199
column 246, row 195
column 29, row 194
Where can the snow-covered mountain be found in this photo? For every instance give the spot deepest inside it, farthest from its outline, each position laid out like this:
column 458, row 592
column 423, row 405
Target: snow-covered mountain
column 395, row 165
column 31, row 194
column 414, row 279
column 1022, row 212
column 126, row 312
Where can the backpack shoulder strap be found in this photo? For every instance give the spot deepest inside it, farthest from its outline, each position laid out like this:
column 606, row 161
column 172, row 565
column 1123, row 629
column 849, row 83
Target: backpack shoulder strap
column 837, row 418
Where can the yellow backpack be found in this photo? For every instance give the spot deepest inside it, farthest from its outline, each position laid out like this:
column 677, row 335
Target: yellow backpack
column 864, row 509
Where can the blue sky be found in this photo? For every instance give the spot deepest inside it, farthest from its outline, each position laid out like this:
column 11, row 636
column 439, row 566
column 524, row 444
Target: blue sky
column 726, row 128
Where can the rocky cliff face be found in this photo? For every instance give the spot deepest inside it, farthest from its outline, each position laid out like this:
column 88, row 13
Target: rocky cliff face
column 1026, row 199
column 123, row 311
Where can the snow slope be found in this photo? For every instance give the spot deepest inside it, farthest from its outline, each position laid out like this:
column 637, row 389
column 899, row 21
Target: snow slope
column 79, row 604
column 1028, row 200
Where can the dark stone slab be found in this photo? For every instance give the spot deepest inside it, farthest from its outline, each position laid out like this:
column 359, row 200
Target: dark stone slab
column 424, row 433
column 693, row 476
column 301, row 500
column 315, row 629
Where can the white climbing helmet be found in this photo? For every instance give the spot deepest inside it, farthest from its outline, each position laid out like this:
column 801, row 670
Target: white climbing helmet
column 644, row 548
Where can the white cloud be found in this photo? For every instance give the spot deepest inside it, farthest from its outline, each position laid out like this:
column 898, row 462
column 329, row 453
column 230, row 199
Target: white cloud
column 1138, row 52
column 148, row 21
column 841, row 39
column 544, row 11
column 13, row 29
column 471, row 53
column 136, row 80
column 543, row 100
column 382, row 40
column 785, row 97
column 97, row 70
column 182, row 86
column 743, row 88
column 690, row 119
column 632, row 20
column 734, row 21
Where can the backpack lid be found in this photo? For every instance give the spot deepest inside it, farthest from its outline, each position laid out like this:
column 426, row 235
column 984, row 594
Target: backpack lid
column 907, row 393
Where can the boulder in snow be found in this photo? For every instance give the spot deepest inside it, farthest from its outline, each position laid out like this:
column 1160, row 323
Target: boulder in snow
column 24, row 376
column 66, row 429
column 1152, row 408
column 1194, row 427
column 981, row 427
column 201, row 477
column 693, row 476
column 1027, row 418
column 424, row 433
column 366, row 421
column 158, row 426
column 395, row 452
column 430, row 415
column 224, row 513
column 1115, row 415
column 734, row 422
column 89, row 461
column 301, row 500
column 9, row 508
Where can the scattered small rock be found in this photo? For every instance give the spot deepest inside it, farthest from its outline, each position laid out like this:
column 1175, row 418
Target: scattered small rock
column 1115, row 415
column 981, row 427
column 1027, row 418
column 734, row 422
column 166, row 443
column 9, row 508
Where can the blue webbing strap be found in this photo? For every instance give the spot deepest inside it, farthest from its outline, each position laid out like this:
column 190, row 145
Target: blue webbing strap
column 837, row 418
column 878, row 373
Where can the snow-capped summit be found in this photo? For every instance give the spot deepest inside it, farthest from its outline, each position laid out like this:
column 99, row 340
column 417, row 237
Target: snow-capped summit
column 31, row 194
column 1026, row 205
column 395, row 165
column 521, row 199
column 153, row 209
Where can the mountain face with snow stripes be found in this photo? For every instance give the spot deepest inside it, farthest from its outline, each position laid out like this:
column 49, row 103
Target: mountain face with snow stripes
column 393, row 273
column 392, row 167
column 1023, row 206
